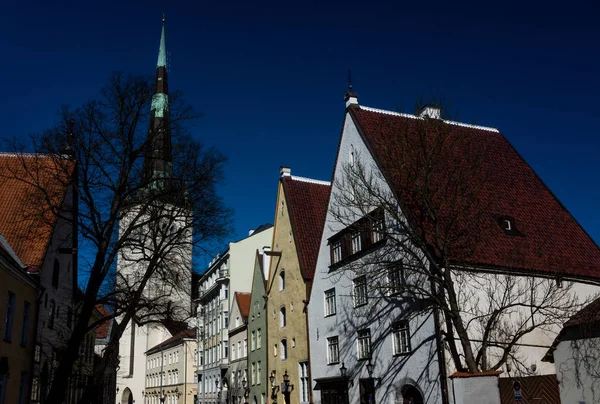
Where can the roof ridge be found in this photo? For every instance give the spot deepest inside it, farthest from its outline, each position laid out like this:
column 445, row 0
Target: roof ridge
column 310, row 180
column 410, row 116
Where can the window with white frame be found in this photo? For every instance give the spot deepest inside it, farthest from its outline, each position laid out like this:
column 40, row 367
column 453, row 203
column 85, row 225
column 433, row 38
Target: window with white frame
column 258, row 338
column 360, row 291
column 395, row 277
column 239, row 349
column 336, row 251
column 333, row 350
column 283, row 349
column 253, row 340
column 303, row 376
column 356, row 246
column 364, row 343
column 330, row 302
column 258, row 372
column 245, row 346
column 401, row 336
column 253, row 373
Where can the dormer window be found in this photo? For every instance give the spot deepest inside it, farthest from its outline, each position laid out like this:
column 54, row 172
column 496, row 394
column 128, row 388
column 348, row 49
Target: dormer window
column 508, row 225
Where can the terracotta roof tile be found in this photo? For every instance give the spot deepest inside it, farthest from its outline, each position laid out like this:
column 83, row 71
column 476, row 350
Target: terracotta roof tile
column 103, row 329
column 590, row 314
column 26, row 229
column 478, row 374
column 185, row 334
column 551, row 239
column 307, row 204
column 243, row 301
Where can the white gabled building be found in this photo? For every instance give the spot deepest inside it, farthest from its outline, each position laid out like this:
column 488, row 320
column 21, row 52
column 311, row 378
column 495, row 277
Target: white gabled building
column 345, row 329
column 367, row 343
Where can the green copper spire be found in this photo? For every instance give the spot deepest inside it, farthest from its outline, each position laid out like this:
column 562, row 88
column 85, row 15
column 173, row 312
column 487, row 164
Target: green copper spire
column 162, row 49
column 158, row 159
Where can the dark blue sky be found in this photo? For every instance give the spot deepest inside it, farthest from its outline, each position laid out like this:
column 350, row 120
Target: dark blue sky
column 270, row 77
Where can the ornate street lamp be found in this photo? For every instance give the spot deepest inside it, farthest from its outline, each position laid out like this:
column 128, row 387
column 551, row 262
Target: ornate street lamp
column 344, row 374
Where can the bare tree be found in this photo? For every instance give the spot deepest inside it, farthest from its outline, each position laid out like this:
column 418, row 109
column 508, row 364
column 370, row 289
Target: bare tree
column 102, row 151
column 424, row 184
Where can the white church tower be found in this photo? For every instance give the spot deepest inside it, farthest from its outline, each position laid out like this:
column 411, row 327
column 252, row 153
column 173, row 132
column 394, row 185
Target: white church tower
column 161, row 221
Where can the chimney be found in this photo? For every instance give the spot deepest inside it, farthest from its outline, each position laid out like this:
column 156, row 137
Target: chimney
column 285, row 171
column 430, row 111
column 350, row 98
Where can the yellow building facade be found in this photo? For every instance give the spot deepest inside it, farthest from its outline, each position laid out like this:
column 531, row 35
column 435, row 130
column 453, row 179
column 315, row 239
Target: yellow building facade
column 18, row 307
column 301, row 207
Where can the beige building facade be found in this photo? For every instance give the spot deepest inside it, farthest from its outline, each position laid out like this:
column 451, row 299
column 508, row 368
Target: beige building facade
column 299, row 219
column 170, row 370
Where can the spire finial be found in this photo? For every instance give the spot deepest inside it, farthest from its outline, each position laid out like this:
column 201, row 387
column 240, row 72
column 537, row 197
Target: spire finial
column 162, row 51
column 349, row 79
column 164, row 19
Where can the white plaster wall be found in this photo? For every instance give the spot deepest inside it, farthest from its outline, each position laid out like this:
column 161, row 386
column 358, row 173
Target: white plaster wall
column 533, row 346
column 575, row 388
column 242, row 256
column 476, row 390
column 420, row 368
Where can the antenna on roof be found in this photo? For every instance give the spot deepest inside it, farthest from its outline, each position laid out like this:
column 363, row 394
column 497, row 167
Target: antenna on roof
column 349, row 79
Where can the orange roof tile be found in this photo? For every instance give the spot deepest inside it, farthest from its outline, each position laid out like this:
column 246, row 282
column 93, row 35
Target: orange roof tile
column 243, row 301
column 26, row 221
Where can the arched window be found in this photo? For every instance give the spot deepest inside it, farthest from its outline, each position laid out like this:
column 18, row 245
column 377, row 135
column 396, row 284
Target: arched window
column 283, row 347
column 55, row 273
column 281, row 280
column 282, row 317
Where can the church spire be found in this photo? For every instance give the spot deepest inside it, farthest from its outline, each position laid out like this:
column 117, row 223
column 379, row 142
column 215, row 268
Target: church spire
column 158, row 158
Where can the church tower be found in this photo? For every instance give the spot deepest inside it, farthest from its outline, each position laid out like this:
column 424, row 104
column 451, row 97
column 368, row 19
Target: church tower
column 166, row 222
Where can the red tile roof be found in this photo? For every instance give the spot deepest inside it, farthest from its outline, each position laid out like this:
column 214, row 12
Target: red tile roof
column 307, row 205
column 590, row 314
column 103, row 329
column 243, row 301
column 26, row 229
column 551, row 240
column 478, row 374
column 188, row 333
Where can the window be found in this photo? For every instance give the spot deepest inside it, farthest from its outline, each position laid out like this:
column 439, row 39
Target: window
column 401, row 335
column 55, row 273
column 352, row 156
column 35, row 389
column 333, row 350
column 245, row 346
column 364, row 344
column 23, row 388
column 253, row 341
column 258, row 338
column 360, row 291
column 395, row 278
column 225, row 350
column 281, row 280
column 239, row 349
column 282, row 319
column 225, row 319
column 330, row 302
column 232, row 351
column 283, row 349
column 357, row 237
column 253, row 373
column 303, row 374
column 274, row 349
column 356, row 247
column 378, row 228
column 25, row 324
column 51, row 314
column 237, row 321
column 336, row 248
column 258, row 372
column 9, row 316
